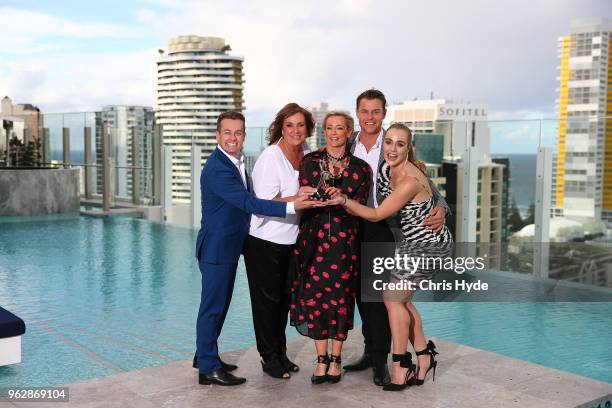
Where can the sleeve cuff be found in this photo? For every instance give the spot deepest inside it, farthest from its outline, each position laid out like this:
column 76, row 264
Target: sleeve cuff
column 290, row 208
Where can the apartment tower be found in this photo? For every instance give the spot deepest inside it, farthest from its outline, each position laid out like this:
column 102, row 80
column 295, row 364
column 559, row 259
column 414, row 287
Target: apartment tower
column 197, row 80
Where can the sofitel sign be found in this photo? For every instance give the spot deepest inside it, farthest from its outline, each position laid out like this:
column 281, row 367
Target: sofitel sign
column 462, row 112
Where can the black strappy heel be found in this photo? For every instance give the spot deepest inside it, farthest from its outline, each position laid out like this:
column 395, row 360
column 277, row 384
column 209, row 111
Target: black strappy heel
column 405, row 361
column 335, row 378
column 431, row 350
column 320, row 379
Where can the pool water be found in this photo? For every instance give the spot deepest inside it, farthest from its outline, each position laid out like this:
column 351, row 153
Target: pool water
column 103, row 296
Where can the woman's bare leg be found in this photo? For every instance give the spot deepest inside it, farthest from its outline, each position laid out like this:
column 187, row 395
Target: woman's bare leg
column 335, row 368
column 399, row 321
column 418, row 339
column 321, row 347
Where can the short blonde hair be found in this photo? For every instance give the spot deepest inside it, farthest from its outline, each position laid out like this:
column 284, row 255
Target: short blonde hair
column 350, row 122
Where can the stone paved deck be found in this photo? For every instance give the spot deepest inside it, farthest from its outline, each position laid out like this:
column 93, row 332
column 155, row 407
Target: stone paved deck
column 466, row 377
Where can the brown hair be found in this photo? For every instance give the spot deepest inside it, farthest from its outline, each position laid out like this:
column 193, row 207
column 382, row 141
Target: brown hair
column 411, row 152
column 350, row 122
column 372, row 94
column 275, row 130
column 235, row 115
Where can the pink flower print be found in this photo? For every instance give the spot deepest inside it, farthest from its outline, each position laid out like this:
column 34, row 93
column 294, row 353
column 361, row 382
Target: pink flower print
column 304, row 182
column 292, row 306
column 342, row 311
column 343, row 256
column 311, row 302
column 336, row 220
column 334, row 239
column 326, row 226
column 301, row 317
column 318, row 295
column 323, row 332
column 355, row 176
column 333, row 302
column 325, row 245
column 310, row 316
column 315, row 173
column 333, row 322
column 341, row 301
column 350, row 189
column 345, row 173
column 342, row 234
column 320, row 248
column 337, row 285
column 328, row 289
column 310, row 326
column 341, row 335
column 334, row 266
column 315, row 278
column 302, row 302
column 325, row 306
column 354, row 257
column 317, row 313
column 308, row 286
column 319, row 259
column 345, row 276
column 321, row 234
column 311, row 269
column 325, row 275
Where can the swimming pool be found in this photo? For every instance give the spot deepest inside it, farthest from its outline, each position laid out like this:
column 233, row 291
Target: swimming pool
column 102, row 296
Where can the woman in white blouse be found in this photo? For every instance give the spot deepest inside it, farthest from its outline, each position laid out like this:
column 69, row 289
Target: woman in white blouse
column 270, row 241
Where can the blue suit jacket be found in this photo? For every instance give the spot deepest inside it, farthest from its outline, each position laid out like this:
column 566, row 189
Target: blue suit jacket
column 226, row 210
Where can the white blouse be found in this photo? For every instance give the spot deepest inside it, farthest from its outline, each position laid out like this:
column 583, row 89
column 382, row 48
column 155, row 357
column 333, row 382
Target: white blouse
column 274, row 177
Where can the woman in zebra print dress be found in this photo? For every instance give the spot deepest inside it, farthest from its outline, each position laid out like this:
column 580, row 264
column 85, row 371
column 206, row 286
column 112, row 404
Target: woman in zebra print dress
column 404, row 192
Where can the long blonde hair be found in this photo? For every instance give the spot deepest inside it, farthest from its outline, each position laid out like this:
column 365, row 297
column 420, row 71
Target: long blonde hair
column 411, row 152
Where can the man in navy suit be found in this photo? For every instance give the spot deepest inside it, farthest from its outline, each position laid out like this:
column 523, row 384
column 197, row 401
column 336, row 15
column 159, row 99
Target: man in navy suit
column 227, row 206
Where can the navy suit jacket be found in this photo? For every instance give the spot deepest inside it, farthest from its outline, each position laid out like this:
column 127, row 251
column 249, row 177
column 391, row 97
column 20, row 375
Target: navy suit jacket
column 226, row 210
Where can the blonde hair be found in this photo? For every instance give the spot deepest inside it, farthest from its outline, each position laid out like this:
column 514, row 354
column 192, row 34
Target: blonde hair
column 411, row 152
column 350, row 122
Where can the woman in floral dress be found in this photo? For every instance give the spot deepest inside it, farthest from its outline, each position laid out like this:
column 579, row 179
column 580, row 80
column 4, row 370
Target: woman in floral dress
column 326, row 280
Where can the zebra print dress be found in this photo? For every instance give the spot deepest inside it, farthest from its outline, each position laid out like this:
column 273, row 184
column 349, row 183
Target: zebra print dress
column 413, row 240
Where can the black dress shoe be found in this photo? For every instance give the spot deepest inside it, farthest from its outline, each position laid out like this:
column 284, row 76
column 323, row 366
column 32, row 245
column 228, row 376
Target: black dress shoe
column 221, row 377
column 364, row 362
column 381, row 374
column 224, row 365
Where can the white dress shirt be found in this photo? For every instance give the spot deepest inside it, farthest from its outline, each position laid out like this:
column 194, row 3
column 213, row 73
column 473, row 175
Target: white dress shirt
column 239, row 163
column 371, row 157
column 274, row 177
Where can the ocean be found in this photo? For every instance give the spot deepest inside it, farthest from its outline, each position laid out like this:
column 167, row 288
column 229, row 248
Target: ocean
column 522, row 180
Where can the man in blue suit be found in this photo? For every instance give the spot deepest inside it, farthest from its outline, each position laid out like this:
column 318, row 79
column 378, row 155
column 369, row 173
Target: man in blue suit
column 227, row 206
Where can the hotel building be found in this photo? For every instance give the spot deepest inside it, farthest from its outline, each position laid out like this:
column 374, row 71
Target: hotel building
column 582, row 184
column 197, row 80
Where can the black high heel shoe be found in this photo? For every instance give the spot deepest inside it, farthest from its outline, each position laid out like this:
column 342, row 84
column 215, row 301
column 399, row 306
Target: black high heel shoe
column 405, row 361
column 335, row 378
column 320, row 379
column 431, row 350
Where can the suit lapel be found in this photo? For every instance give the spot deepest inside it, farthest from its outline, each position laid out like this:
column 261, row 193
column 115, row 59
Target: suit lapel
column 225, row 160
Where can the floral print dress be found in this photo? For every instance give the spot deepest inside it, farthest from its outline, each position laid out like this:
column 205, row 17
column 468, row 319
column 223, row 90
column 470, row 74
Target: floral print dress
column 326, row 276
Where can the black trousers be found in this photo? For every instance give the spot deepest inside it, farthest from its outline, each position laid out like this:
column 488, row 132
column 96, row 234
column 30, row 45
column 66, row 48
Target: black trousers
column 375, row 321
column 267, row 266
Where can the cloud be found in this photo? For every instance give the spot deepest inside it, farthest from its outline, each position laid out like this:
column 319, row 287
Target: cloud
column 33, row 32
column 502, row 53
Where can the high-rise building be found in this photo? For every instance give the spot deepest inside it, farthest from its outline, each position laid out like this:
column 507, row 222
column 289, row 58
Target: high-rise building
column 30, row 114
column 462, row 124
column 317, row 139
column 491, row 199
column 197, row 80
column 131, row 145
column 583, row 164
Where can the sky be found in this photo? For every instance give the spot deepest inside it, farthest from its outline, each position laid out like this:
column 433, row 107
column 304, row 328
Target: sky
column 67, row 56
